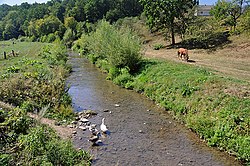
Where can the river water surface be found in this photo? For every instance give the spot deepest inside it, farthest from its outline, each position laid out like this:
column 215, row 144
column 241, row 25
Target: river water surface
column 141, row 134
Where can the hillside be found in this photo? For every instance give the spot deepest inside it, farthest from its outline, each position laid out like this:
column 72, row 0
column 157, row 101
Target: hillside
column 231, row 60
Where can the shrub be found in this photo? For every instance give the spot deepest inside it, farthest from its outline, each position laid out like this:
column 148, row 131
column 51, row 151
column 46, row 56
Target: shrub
column 42, row 145
column 120, row 47
column 157, row 46
column 123, row 78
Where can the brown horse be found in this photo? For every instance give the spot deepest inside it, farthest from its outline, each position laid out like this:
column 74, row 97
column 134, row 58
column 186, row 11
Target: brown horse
column 183, row 54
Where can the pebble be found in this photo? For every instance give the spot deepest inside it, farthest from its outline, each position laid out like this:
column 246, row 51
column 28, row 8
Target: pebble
column 74, row 132
column 70, row 126
column 84, row 120
column 140, row 131
column 74, row 122
column 106, row 110
column 82, row 128
column 117, row 105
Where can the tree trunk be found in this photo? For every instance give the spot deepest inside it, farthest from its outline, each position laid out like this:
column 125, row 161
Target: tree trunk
column 172, row 34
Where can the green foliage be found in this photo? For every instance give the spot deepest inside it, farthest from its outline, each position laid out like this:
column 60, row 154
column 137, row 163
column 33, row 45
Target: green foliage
column 39, row 20
column 245, row 21
column 228, row 12
column 196, row 97
column 69, row 37
column 70, row 23
column 120, row 47
column 41, row 145
column 33, row 83
column 123, row 78
column 162, row 14
column 157, row 46
column 5, row 159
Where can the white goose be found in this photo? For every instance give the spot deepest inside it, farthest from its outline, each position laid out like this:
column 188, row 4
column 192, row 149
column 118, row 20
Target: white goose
column 103, row 126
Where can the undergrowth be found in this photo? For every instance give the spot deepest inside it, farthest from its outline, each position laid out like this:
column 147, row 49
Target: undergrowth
column 35, row 82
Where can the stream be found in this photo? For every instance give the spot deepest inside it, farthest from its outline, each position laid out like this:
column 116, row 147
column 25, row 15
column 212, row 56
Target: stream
column 140, row 133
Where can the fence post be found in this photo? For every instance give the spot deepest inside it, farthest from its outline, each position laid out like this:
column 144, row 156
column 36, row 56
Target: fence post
column 13, row 52
column 4, row 55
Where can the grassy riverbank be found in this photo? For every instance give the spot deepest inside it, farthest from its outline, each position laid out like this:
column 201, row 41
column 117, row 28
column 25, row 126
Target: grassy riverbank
column 34, row 81
column 215, row 107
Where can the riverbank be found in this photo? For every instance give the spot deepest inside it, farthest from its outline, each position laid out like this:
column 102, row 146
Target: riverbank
column 140, row 133
column 33, row 80
column 214, row 107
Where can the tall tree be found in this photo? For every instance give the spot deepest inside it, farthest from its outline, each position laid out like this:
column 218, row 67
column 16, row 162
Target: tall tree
column 229, row 11
column 163, row 13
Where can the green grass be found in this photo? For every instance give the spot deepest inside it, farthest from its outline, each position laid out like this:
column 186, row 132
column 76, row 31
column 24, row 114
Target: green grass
column 216, row 108
column 24, row 48
column 31, row 82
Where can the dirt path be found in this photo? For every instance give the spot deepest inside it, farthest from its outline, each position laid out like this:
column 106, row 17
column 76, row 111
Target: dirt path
column 62, row 131
column 230, row 61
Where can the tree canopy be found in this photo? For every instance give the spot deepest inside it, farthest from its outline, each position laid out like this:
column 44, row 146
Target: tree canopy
column 229, row 11
column 163, row 13
column 56, row 16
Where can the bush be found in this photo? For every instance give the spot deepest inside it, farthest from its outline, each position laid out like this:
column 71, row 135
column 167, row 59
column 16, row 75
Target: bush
column 157, row 46
column 245, row 22
column 42, row 145
column 120, row 47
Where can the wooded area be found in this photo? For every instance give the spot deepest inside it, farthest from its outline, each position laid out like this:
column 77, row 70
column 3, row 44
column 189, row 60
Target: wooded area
column 67, row 20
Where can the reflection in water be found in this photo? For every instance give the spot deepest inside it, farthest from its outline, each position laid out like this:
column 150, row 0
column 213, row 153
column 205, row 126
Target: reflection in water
column 140, row 132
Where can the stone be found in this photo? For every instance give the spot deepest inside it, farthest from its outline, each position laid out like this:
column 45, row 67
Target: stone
column 84, row 120
column 82, row 128
column 106, row 110
column 70, row 126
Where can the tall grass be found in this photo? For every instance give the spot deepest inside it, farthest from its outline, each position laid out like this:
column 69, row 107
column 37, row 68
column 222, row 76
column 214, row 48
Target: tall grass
column 33, row 81
column 119, row 47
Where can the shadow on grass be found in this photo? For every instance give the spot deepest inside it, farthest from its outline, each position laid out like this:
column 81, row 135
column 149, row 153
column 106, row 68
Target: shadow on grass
column 211, row 42
column 143, row 65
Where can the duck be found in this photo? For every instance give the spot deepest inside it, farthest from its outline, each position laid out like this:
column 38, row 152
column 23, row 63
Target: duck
column 103, row 127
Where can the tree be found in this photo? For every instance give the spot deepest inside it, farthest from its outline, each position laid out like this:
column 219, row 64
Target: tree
column 229, row 11
column 70, row 22
column 69, row 37
column 163, row 13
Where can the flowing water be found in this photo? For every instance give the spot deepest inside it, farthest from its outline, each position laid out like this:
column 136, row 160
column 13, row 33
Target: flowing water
column 140, row 133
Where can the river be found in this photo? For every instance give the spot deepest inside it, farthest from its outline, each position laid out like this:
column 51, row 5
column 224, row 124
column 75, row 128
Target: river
column 141, row 133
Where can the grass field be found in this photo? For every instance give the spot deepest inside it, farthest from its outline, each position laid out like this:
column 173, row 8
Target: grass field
column 23, row 48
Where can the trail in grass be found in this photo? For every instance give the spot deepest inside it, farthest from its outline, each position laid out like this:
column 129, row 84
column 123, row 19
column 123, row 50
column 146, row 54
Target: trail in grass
column 140, row 132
